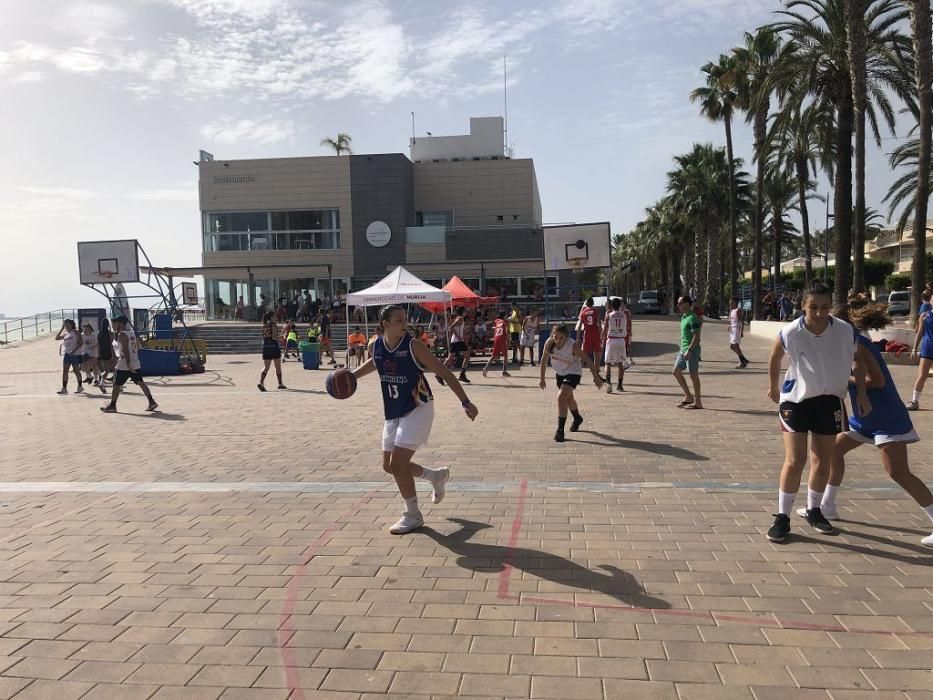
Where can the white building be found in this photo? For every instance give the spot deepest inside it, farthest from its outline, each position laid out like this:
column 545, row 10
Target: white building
column 484, row 142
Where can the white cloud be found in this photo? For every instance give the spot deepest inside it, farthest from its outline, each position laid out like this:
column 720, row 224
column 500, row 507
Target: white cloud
column 30, row 76
column 67, row 193
column 187, row 193
column 246, row 130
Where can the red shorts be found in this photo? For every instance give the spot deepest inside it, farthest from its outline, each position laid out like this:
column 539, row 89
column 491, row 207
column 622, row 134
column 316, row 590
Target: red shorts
column 500, row 346
column 591, row 345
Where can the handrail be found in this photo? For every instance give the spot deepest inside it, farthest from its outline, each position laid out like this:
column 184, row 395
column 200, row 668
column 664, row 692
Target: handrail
column 32, row 326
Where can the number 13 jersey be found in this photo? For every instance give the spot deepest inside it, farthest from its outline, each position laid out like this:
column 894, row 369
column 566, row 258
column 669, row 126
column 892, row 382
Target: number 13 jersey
column 404, row 386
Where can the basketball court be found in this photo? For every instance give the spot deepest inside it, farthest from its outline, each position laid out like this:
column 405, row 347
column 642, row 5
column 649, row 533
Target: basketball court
column 235, row 545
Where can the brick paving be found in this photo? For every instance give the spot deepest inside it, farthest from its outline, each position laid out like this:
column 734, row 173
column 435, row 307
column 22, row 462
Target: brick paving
column 235, row 545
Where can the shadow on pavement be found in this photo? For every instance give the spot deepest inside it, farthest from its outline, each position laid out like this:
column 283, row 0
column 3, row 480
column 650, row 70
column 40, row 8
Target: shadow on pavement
column 160, row 415
column 487, row 558
column 890, row 528
column 640, row 349
column 834, row 543
column 657, row 448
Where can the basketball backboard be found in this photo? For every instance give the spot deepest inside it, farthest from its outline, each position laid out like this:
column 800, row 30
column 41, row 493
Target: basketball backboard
column 108, row 261
column 189, row 293
column 576, row 246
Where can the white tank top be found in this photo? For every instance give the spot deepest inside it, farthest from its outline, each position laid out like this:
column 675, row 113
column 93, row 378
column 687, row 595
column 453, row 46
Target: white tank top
column 456, row 332
column 564, row 361
column 734, row 323
column 818, row 364
column 617, row 323
column 127, row 363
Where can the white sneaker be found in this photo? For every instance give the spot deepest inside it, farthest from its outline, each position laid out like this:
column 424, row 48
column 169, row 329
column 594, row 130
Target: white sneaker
column 927, row 541
column 829, row 512
column 438, row 482
column 407, row 523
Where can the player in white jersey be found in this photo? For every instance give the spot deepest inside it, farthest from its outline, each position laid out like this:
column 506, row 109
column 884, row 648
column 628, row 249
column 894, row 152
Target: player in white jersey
column 821, row 350
column 567, row 358
column 615, row 331
column 127, row 350
column 736, row 331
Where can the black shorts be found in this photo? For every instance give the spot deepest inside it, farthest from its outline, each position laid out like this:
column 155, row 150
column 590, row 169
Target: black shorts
column 822, row 415
column 572, row 380
column 121, row 375
column 271, row 351
column 515, row 337
column 459, row 346
column 69, row 360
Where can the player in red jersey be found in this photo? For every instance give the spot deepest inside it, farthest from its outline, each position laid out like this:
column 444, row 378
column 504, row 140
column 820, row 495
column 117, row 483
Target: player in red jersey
column 500, row 345
column 588, row 325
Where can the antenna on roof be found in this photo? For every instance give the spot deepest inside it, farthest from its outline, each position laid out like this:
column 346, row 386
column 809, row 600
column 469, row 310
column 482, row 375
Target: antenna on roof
column 505, row 97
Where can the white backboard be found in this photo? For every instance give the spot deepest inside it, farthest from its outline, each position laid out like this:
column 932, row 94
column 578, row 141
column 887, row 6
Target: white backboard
column 108, row 261
column 586, row 243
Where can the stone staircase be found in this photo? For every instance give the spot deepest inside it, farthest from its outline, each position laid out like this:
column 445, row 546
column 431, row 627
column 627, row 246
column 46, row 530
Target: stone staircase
column 244, row 338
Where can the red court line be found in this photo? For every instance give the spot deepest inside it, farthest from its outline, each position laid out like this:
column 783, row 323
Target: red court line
column 291, row 596
column 513, row 539
column 774, row 623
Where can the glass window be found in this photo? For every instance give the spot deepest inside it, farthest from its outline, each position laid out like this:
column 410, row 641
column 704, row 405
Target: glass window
column 232, row 241
column 238, row 221
column 259, row 242
column 434, row 218
column 306, row 220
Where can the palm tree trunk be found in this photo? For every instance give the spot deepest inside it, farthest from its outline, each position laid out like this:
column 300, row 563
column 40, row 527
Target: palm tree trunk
column 663, row 261
column 713, row 270
column 701, row 252
column 923, row 72
column 761, row 132
column 803, row 175
column 778, row 217
column 855, row 16
column 842, row 198
column 733, row 243
column 689, row 261
column 674, row 289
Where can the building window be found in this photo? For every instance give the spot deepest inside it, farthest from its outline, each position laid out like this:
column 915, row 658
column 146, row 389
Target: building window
column 514, row 217
column 238, row 221
column 434, row 218
column 315, row 229
column 500, row 218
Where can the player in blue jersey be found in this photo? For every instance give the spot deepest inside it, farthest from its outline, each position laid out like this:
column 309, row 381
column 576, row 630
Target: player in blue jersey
column 401, row 362
column 923, row 345
column 888, row 427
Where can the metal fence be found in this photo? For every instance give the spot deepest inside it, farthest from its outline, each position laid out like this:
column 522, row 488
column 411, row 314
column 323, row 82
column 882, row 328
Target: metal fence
column 32, row 326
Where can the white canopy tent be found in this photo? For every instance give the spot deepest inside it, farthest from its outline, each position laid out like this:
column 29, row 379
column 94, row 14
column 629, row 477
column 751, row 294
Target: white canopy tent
column 398, row 287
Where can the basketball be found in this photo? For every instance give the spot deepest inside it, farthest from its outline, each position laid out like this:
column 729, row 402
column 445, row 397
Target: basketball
column 341, row 383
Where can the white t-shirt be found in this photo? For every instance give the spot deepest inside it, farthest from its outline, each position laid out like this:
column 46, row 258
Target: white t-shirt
column 735, row 325
column 819, row 364
column 70, row 342
column 127, row 363
column 564, row 361
column 90, row 344
column 617, row 324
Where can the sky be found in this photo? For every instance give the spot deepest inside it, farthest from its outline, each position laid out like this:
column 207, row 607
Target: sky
column 106, row 104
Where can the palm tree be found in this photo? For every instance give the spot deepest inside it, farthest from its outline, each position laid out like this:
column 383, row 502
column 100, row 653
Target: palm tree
column 341, row 144
column 855, row 35
column 923, row 73
column 817, row 65
column 756, row 59
column 781, row 197
column 717, row 102
column 800, row 138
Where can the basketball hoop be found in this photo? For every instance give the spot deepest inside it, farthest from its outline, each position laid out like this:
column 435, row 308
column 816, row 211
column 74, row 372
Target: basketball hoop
column 576, row 264
column 105, row 274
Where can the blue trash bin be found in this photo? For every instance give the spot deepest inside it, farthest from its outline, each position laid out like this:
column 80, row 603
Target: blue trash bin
column 311, row 356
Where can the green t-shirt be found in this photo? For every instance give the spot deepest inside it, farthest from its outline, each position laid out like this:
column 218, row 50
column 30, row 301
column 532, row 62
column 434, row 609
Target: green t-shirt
column 689, row 326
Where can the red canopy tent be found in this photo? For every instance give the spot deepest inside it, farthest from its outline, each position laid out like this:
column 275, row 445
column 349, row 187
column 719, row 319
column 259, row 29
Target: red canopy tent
column 460, row 295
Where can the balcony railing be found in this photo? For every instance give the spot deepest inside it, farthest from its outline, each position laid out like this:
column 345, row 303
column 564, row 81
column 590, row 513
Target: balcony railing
column 35, row 325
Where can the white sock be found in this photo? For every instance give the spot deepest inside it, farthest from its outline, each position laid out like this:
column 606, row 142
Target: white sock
column 785, row 502
column 814, row 498
column 929, row 511
column 411, row 506
column 829, row 496
column 915, row 396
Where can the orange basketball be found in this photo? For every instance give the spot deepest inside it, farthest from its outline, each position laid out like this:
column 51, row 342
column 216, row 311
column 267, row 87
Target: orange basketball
column 341, row 383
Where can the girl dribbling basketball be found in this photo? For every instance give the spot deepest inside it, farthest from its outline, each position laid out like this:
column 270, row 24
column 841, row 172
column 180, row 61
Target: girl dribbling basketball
column 567, row 358
column 401, row 362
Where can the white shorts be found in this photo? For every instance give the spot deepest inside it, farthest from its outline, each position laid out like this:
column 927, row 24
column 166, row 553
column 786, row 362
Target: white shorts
column 527, row 340
column 879, row 440
column 615, row 351
column 735, row 337
column 411, row 431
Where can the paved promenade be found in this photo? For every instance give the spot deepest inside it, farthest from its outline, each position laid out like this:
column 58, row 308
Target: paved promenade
column 234, row 545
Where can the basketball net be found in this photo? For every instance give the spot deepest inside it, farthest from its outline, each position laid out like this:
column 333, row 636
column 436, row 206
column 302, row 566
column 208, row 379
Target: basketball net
column 576, row 264
column 103, row 273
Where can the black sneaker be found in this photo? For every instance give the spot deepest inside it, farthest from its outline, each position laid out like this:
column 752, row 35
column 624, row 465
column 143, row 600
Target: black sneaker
column 781, row 528
column 463, row 378
column 818, row 521
column 439, row 380
column 577, row 422
column 619, row 387
column 559, row 436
